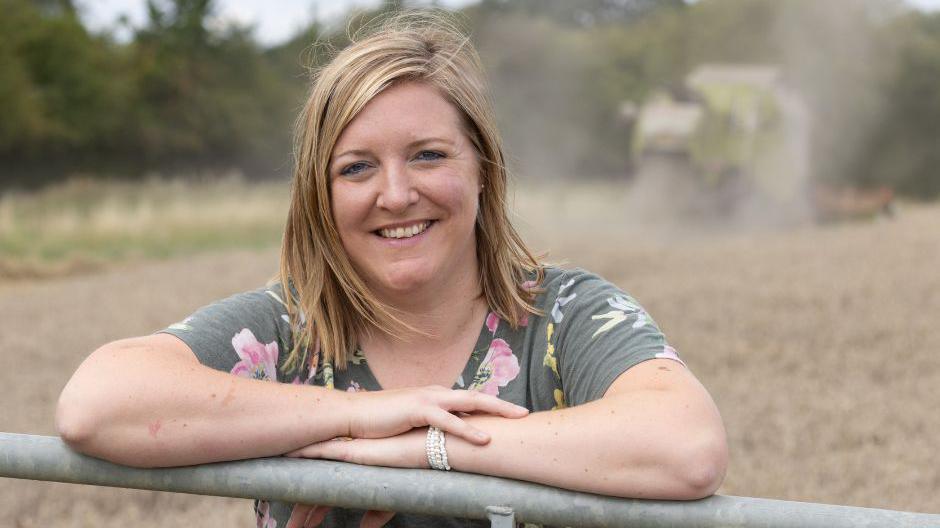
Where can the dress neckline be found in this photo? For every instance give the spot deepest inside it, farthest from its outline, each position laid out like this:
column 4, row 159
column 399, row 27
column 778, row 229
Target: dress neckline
column 470, row 368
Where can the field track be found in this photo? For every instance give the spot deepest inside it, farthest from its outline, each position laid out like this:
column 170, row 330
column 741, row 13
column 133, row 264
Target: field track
column 820, row 345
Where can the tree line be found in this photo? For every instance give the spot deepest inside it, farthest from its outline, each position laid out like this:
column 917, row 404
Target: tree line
column 185, row 94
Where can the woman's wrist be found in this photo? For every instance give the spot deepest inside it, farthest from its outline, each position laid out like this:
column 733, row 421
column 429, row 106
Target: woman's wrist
column 327, row 413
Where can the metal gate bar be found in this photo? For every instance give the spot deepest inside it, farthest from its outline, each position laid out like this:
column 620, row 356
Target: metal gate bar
column 431, row 492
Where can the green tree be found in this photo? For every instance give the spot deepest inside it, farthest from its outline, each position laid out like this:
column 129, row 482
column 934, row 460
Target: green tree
column 904, row 151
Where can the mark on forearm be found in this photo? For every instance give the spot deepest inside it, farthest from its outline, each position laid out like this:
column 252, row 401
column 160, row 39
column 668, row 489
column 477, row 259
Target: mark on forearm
column 154, row 427
column 665, row 368
column 229, row 396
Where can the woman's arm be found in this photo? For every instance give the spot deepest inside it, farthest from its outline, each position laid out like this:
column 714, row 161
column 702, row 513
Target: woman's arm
column 148, row 402
column 656, row 434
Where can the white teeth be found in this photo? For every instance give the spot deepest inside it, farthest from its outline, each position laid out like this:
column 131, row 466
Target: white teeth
column 405, row 232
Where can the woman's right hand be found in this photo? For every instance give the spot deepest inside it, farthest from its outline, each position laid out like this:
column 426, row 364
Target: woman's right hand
column 385, row 413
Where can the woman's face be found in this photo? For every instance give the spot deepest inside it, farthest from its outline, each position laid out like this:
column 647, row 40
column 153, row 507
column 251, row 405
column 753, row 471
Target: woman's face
column 405, row 189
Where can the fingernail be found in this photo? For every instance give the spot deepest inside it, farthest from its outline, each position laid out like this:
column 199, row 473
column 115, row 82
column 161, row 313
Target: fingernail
column 480, row 435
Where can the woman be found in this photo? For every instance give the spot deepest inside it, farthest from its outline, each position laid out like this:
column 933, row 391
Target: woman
column 405, row 275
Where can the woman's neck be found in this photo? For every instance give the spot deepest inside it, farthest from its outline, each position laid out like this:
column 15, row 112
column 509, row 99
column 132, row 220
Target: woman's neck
column 440, row 314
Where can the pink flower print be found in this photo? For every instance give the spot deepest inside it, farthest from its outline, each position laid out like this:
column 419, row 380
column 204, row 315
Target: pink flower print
column 263, row 515
column 499, row 367
column 258, row 361
column 524, row 321
column 529, row 284
column 354, row 387
column 492, row 322
column 669, row 353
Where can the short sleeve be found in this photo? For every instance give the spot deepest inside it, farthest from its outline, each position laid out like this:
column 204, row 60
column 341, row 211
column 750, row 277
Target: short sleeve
column 247, row 334
column 599, row 332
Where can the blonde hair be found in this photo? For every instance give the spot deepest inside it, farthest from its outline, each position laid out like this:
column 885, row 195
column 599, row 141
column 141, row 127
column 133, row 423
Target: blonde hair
column 328, row 302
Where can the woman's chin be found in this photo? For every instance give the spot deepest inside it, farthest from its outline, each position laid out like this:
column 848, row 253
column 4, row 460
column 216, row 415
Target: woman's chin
column 407, row 281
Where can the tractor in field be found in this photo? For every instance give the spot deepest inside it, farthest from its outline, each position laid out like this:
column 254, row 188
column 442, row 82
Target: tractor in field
column 733, row 142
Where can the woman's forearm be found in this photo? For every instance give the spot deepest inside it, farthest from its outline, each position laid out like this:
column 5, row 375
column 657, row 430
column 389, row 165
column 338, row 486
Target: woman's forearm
column 147, row 402
column 643, row 444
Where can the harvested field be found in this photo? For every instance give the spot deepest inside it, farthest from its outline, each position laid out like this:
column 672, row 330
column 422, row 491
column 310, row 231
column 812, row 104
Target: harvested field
column 820, row 345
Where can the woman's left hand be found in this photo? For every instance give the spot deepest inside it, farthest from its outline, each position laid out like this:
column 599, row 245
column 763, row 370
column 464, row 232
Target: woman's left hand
column 402, row 451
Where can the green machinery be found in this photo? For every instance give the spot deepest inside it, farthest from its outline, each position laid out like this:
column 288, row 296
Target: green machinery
column 735, row 134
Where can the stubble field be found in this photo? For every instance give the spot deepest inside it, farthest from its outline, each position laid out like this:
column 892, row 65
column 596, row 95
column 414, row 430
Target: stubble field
column 821, row 346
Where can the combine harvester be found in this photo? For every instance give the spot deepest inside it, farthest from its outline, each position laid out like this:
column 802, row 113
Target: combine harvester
column 734, row 144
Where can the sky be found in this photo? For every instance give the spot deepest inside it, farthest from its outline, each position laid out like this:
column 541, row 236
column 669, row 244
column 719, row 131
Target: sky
column 275, row 20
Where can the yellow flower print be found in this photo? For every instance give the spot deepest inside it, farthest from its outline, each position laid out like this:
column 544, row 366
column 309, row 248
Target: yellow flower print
column 559, row 400
column 328, row 375
column 550, row 360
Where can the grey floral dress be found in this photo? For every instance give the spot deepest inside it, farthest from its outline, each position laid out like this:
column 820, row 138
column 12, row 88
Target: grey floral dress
column 590, row 333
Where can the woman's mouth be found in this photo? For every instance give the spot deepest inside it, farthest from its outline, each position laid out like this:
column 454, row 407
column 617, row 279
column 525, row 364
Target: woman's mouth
column 405, row 231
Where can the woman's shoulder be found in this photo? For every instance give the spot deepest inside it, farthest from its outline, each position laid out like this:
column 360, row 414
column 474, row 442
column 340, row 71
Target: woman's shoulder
column 577, row 302
column 246, row 333
column 554, row 275
column 570, row 283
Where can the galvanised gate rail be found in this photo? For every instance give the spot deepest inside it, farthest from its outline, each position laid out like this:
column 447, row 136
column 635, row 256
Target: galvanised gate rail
column 503, row 501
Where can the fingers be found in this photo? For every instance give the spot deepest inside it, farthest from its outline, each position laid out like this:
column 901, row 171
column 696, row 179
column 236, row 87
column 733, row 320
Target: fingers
column 460, row 402
column 316, row 516
column 494, row 405
column 299, row 515
column 307, row 516
column 375, row 519
column 472, row 401
column 452, row 424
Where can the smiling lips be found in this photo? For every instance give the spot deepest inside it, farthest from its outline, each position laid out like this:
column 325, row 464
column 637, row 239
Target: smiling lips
column 404, row 232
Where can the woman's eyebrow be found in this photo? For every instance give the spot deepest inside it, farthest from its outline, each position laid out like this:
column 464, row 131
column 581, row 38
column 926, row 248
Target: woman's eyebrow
column 353, row 152
column 414, row 144
column 425, row 141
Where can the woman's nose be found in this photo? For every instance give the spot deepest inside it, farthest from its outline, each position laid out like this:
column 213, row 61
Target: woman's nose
column 398, row 191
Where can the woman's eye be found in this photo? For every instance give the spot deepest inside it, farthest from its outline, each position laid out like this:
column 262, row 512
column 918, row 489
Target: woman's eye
column 428, row 155
column 355, row 168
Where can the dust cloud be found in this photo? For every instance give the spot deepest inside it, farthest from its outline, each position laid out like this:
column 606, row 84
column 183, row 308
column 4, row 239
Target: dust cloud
column 826, row 75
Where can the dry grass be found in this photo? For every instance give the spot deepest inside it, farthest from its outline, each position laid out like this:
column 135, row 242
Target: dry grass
column 820, row 345
column 86, row 224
